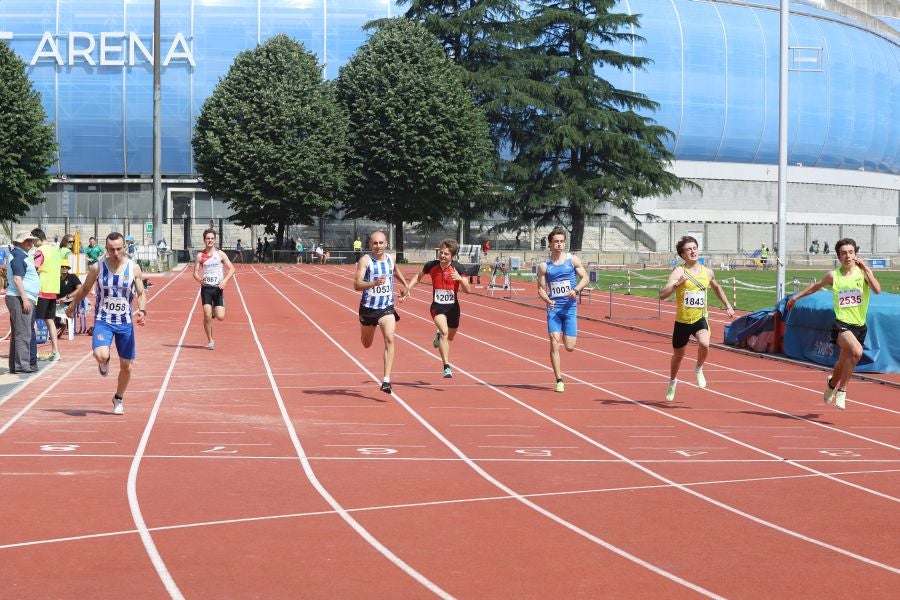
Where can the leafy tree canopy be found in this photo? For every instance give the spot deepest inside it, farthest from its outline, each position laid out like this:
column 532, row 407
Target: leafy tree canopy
column 271, row 138
column 419, row 148
column 27, row 145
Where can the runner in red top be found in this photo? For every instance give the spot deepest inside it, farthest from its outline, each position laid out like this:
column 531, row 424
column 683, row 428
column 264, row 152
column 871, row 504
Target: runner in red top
column 446, row 281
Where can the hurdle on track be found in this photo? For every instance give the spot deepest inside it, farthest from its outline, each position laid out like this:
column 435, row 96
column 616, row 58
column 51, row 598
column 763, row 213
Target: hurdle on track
column 630, row 309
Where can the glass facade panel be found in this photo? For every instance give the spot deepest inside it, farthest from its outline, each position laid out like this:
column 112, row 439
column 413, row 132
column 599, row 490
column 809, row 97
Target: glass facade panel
column 714, row 73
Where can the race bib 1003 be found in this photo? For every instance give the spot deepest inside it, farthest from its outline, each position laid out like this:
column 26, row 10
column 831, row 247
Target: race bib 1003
column 560, row 288
column 115, row 306
column 695, row 299
column 850, row 298
column 444, row 296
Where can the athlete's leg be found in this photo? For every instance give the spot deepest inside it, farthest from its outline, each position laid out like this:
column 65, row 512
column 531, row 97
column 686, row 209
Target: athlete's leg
column 851, row 352
column 440, row 322
column 101, row 354
column 388, row 325
column 367, row 335
column 677, row 356
column 555, row 339
column 124, row 376
column 703, row 346
column 207, row 321
column 219, row 313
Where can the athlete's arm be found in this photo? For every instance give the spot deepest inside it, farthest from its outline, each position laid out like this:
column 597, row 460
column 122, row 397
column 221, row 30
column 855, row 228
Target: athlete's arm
column 89, row 281
column 462, row 279
column 812, row 288
column 229, row 269
column 870, row 276
column 359, row 281
column 398, row 275
column 720, row 293
column 676, row 278
column 197, row 264
column 141, row 312
column 542, row 284
column 582, row 274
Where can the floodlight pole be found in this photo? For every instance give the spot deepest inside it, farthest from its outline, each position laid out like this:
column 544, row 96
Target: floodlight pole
column 157, row 134
column 782, row 153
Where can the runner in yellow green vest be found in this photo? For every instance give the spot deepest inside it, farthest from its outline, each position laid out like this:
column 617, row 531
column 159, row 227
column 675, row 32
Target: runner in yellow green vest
column 689, row 282
column 850, row 285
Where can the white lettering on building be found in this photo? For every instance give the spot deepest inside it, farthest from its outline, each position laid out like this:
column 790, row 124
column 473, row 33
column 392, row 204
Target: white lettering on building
column 112, row 50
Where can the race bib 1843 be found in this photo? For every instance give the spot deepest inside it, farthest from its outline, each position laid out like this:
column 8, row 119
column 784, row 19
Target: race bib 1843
column 695, row 299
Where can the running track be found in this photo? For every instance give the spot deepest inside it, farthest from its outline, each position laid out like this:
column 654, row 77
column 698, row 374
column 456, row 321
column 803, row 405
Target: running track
column 274, row 468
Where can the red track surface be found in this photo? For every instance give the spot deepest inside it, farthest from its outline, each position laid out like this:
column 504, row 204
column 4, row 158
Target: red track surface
column 273, row 467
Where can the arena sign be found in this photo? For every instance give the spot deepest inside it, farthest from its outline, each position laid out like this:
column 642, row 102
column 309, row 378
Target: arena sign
column 108, row 48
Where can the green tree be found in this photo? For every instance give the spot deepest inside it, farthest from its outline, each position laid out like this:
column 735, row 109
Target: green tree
column 419, row 147
column 27, row 145
column 586, row 144
column 481, row 36
column 271, row 138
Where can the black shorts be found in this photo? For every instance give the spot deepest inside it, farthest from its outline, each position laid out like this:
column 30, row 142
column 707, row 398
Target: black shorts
column 683, row 332
column 370, row 316
column 858, row 331
column 45, row 309
column 212, row 295
column 451, row 310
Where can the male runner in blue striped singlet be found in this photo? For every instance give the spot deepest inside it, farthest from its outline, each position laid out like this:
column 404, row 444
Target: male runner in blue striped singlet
column 119, row 281
column 375, row 274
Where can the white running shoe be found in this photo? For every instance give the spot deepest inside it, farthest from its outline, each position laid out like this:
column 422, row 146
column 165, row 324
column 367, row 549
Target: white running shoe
column 840, row 399
column 211, row 346
column 670, row 391
column 829, row 392
column 701, row 379
column 118, row 406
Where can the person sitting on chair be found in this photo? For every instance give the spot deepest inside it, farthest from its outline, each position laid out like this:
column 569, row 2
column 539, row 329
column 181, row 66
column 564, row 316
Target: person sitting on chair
column 68, row 284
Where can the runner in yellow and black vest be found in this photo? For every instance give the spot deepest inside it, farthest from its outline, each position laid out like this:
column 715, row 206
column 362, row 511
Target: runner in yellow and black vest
column 850, row 285
column 690, row 283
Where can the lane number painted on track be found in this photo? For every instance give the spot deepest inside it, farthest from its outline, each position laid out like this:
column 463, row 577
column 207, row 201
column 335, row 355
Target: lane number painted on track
column 840, row 453
column 534, row 452
column 688, row 453
column 382, row 451
column 60, row 447
column 219, row 450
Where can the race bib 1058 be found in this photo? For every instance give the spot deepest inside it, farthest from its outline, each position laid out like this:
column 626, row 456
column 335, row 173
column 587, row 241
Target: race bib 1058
column 115, row 306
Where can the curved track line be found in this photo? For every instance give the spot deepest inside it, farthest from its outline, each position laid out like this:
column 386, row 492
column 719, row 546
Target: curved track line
column 308, row 471
column 484, row 474
column 639, row 466
column 133, row 503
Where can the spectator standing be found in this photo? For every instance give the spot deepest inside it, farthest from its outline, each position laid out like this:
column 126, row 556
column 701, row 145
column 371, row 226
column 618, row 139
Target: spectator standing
column 267, row 249
column 92, row 252
column 131, row 249
column 238, row 252
column 485, row 246
column 24, row 286
column 259, row 250
column 825, row 248
column 299, row 251
column 357, row 249
column 66, row 245
column 46, row 260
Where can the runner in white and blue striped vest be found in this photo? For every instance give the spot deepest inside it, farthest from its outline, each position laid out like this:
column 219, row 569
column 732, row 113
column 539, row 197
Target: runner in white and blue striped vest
column 119, row 282
column 375, row 274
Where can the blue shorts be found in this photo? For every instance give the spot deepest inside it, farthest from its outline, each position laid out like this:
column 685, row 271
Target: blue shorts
column 563, row 318
column 122, row 333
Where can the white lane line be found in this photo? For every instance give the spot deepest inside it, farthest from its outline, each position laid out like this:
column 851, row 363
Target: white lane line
column 484, row 474
column 310, row 474
column 639, row 466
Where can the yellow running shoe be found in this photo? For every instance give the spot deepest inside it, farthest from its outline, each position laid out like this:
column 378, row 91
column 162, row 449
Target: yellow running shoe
column 560, row 387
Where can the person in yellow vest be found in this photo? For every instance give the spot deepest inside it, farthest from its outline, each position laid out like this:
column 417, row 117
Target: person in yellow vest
column 850, row 285
column 690, row 282
column 47, row 260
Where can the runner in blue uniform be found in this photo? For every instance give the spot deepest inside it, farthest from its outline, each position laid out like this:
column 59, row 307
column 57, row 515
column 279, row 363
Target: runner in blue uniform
column 559, row 279
column 118, row 282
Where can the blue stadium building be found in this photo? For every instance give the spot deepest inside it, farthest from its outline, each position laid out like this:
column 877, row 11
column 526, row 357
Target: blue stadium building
column 714, row 74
